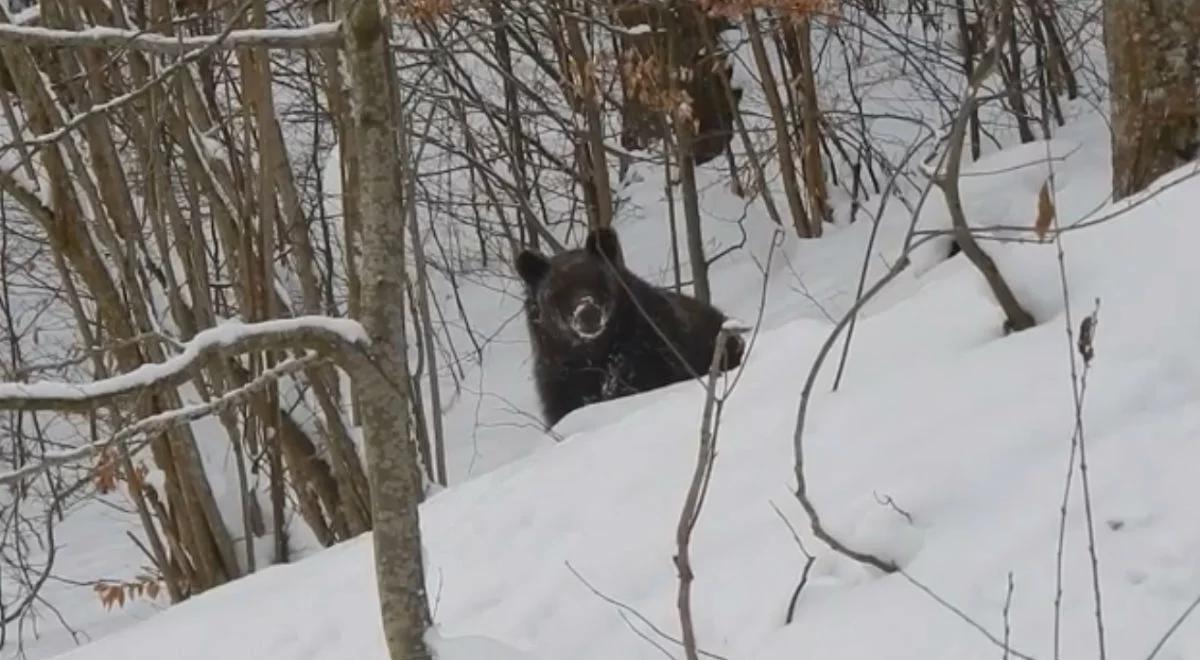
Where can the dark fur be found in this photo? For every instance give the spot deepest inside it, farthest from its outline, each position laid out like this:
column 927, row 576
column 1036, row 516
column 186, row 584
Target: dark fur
column 630, row 356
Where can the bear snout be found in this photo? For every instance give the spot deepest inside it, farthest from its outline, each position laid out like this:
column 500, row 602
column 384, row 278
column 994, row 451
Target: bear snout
column 588, row 319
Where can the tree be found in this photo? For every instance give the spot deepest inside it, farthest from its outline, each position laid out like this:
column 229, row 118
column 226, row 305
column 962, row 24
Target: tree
column 1154, row 77
column 392, row 466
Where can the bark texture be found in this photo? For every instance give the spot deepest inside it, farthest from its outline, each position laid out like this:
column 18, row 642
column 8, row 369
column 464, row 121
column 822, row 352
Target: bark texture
column 393, row 469
column 1154, row 73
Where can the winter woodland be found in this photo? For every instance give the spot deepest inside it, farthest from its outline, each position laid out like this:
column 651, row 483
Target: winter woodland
column 266, row 384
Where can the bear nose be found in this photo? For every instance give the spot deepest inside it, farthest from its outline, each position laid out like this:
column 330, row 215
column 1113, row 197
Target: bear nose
column 587, row 319
column 589, row 316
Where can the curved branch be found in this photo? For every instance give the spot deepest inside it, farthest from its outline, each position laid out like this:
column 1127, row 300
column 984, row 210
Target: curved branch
column 1018, row 318
column 161, row 421
column 326, row 336
column 818, row 529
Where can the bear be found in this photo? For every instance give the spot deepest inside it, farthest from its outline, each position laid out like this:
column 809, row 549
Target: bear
column 599, row 332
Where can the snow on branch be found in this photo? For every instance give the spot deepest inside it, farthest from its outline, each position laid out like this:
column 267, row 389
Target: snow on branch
column 161, row 421
column 320, row 35
column 324, row 335
column 187, row 58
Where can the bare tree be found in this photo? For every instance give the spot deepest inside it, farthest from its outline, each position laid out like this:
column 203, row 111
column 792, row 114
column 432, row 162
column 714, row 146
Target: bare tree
column 396, row 488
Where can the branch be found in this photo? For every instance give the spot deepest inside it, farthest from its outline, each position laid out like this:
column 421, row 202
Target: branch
column 1174, row 626
column 798, row 437
column 1008, row 650
column 710, row 423
column 624, row 608
column 809, row 560
column 866, row 267
column 162, row 421
column 1017, row 317
column 93, row 351
column 319, row 35
column 326, row 336
column 78, row 120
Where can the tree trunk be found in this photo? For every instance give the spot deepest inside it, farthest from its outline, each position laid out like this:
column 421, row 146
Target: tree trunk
column 968, row 54
column 392, row 465
column 1154, row 73
column 588, row 102
column 787, row 163
column 685, row 142
column 814, row 171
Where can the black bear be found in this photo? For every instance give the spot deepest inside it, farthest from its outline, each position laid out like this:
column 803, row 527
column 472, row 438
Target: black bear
column 600, row 332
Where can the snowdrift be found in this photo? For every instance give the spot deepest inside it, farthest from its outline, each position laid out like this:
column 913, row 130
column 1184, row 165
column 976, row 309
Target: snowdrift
column 566, row 553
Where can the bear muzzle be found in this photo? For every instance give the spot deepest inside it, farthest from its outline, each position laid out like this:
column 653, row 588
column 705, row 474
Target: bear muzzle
column 588, row 319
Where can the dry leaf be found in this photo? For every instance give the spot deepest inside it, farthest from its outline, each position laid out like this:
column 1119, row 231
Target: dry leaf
column 1045, row 212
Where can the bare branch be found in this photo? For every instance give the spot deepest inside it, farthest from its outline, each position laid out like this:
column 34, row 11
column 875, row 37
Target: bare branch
column 1017, row 317
column 1174, row 626
column 161, row 421
column 965, row 617
column 119, row 101
column 798, row 437
column 324, row 335
column 627, row 609
column 319, row 35
column 710, row 423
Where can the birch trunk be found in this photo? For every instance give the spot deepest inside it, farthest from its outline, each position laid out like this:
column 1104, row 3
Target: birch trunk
column 393, row 471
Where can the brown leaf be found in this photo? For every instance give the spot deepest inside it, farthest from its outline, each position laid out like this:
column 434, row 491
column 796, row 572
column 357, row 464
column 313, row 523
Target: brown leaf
column 1045, row 212
column 105, row 472
column 108, row 595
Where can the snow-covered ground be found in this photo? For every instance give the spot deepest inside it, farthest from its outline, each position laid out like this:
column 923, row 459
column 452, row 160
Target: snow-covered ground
column 965, row 429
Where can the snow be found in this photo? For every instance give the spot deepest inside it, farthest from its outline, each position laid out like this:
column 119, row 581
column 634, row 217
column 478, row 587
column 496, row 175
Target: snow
column 944, row 449
column 27, row 16
column 962, row 428
column 224, row 334
column 21, row 31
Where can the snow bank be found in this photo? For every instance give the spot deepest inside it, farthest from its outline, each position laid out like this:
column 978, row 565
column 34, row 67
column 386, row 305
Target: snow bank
column 964, row 429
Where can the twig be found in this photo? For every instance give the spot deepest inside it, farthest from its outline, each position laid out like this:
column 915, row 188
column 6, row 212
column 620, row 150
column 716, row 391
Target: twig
column 802, row 414
column 1078, row 445
column 795, row 534
column 88, row 353
column 1007, row 608
column 145, row 551
column 116, row 102
column 161, row 421
column 809, row 560
column 866, row 267
column 1174, row 626
column 645, row 636
column 1087, row 502
column 791, row 610
column 1127, row 205
column 696, row 495
column 640, row 617
column 886, row 500
column 965, row 617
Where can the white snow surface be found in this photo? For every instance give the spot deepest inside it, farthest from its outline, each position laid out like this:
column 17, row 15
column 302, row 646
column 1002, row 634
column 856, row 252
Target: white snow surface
column 965, row 429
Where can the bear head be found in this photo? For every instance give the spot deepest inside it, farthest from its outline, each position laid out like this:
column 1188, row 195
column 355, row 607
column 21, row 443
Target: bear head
column 574, row 296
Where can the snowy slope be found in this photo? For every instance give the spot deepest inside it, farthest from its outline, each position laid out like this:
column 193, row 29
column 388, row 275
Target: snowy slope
column 965, row 429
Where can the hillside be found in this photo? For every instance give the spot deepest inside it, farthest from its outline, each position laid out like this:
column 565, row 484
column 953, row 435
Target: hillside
column 966, row 430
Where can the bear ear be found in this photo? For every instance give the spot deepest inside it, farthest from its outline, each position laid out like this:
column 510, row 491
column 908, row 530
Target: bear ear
column 603, row 243
column 532, row 267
